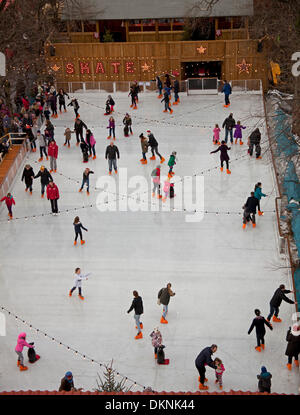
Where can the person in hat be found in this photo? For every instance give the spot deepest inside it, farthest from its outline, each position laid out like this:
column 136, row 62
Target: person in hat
column 144, row 145
column 21, row 343
column 259, row 323
column 9, row 201
column 156, row 339
column 293, row 347
column 43, row 145
column 264, row 380
column 45, row 178
column 154, row 146
column 67, row 383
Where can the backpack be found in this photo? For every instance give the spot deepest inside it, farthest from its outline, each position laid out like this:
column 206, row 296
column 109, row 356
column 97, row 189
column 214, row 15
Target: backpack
column 161, row 355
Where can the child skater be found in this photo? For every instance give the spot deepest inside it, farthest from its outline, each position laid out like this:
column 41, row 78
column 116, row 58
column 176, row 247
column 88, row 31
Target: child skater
column 216, row 131
column 238, row 132
column 75, row 105
column 9, row 200
column 127, row 121
column 166, row 98
column 86, row 179
column 91, row 142
column 111, row 126
column 166, row 189
column 223, row 156
column 77, row 227
column 171, row 163
column 220, row 369
column 111, row 103
column 133, row 95
column 156, row 340
column 19, row 349
column 77, row 282
column 259, row 194
column 67, row 134
column 156, row 182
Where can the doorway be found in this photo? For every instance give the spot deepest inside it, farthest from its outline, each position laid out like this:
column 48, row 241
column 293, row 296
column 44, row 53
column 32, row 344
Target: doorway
column 205, row 69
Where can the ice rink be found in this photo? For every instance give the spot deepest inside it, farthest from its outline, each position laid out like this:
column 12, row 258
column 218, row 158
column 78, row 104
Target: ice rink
column 219, row 271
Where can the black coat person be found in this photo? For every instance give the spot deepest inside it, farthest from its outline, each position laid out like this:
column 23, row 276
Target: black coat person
column 229, row 123
column 78, row 128
column 259, row 322
column 250, row 209
column 45, row 178
column 28, row 175
column 264, row 380
column 293, row 346
column 254, row 141
column 276, row 300
column 204, row 358
column 223, row 155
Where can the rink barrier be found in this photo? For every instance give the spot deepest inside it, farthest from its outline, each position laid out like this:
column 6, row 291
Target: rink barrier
column 69, row 348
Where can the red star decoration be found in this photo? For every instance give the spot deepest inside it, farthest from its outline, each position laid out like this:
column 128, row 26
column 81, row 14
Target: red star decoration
column 145, row 67
column 244, row 66
column 201, row 49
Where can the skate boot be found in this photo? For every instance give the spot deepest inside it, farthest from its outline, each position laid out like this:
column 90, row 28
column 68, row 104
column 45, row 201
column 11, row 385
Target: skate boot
column 40, row 159
column 109, row 172
column 171, row 112
column 94, row 158
column 108, row 137
column 221, row 168
column 289, row 366
column 228, row 171
column 51, row 171
column 221, row 387
column 81, row 297
column 135, row 107
column 263, row 346
column 202, row 387
column 260, row 213
column 258, row 348
column 152, row 158
column 159, row 196
column 30, row 192
column 26, row 190
column 116, row 171
column 80, row 190
column 82, row 242
column 47, row 158
column 244, row 226
column 276, row 319
column 241, row 143
column 70, row 293
column 163, row 320
column 42, row 195
column 75, row 243
column 23, row 367
column 87, row 192
column 254, row 225
column 18, row 363
column 139, row 336
column 144, row 162
column 155, row 355
column 296, row 363
column 162, row 160
column 165, row 110
column 153, row 194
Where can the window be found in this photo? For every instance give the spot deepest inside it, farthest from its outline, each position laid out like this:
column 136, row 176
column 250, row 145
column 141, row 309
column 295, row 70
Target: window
column 89, row 26
column 224, row 23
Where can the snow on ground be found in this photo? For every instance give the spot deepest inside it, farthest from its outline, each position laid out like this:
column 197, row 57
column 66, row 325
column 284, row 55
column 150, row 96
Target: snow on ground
column 220, row 272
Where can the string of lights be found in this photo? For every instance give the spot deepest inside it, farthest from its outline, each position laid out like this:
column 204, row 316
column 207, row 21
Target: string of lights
column 69, row 348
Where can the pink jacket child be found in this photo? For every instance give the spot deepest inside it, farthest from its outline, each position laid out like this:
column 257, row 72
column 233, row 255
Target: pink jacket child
column 238, row 132
column 9, row 200
column 216, row 137
column 166, row 189
column 19, row 349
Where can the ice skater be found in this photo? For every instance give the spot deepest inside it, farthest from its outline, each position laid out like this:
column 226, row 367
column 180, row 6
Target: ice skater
column 176, row 92
column 276, row 300
column 45, row 178
column 264, row 380
column 53, row 196
column 238, row 134
column 171, row 163
column 159, row 86
column 21, row 343
column 223, row 156
column 144, row 145
column 204, row 359
column 127, row 121
column 216, row 136
column 78, row 278
column 77, row 227
column 293, row 346
column 166, row 189
column 229, row 123
column 91, row 142
column 254, row 141
column 67, row 383
column 250, row 210
column 227, row 91
column 67, row 135
column 78, row 128
column 111, row 127
column 53, row 154
column 9, row 201
column 154, row 147
column 43, row 145
column 84, row 149
column 137, row 306
column 220, row 369
column 259, row 194
column 133, row 95
column 156, row 339
column 111, row 153
column 61, row 100
column 259, row 323
column 163, row 297
column 75, row 105
column 28, row 175
column 107, row 107
column 86, row 180
column 111, row 103
column 156, row 182
column 166, row 99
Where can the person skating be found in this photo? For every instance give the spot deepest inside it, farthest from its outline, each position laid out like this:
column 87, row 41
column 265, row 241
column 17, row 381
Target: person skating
column 78, row 128
column 78, row 278
column 259, row 194
column 204, row 359
column 45, row 178
column 144, row 145
column 111, row 127
column 156, row 182
column 156, row 339
column 137, row 306
column 9, row 201
column 163, row 297
column 133, row 95
column 111, row 103
column 293, row 346
column 229, row 123
column 176, row 92
column 91, row 142
column 111, row 153
column 264, row 380
column 254, row 141
column 250, row 210
column 227, row 91
column 238, row 134
column 21, row 343
column 43, row 145
column 220, row 369
column 166, row 189
column 86, row 180
column 166, row 99
column 61, row 100
column 50, row 130
column 154, row 147
column 53, row 154
column 53, row 105
column 259, row 323
column 171, row 163
column 107, row 107
column 47, row 113
column 127, row 121
column 137, row 90
column 28, row 175
column 216, row 136
column 223, row 155
column 77, row 227
column 53, row 196
column 68, row 134
column 84, row 149
column 159, row 86
column 75, row 105
column 276, row 300
column 67, row 383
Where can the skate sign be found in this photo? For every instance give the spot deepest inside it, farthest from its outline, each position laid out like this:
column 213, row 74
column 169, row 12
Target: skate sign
column 2, row 64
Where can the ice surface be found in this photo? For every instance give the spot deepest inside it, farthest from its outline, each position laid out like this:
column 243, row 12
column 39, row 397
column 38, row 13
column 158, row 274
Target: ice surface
column 220, row 272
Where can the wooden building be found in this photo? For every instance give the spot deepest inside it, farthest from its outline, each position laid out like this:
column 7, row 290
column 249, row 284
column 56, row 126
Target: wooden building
column 148, row 40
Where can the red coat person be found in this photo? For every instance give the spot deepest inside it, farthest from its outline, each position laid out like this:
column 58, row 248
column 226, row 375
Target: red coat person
column 52, row 191
column 53, row 149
